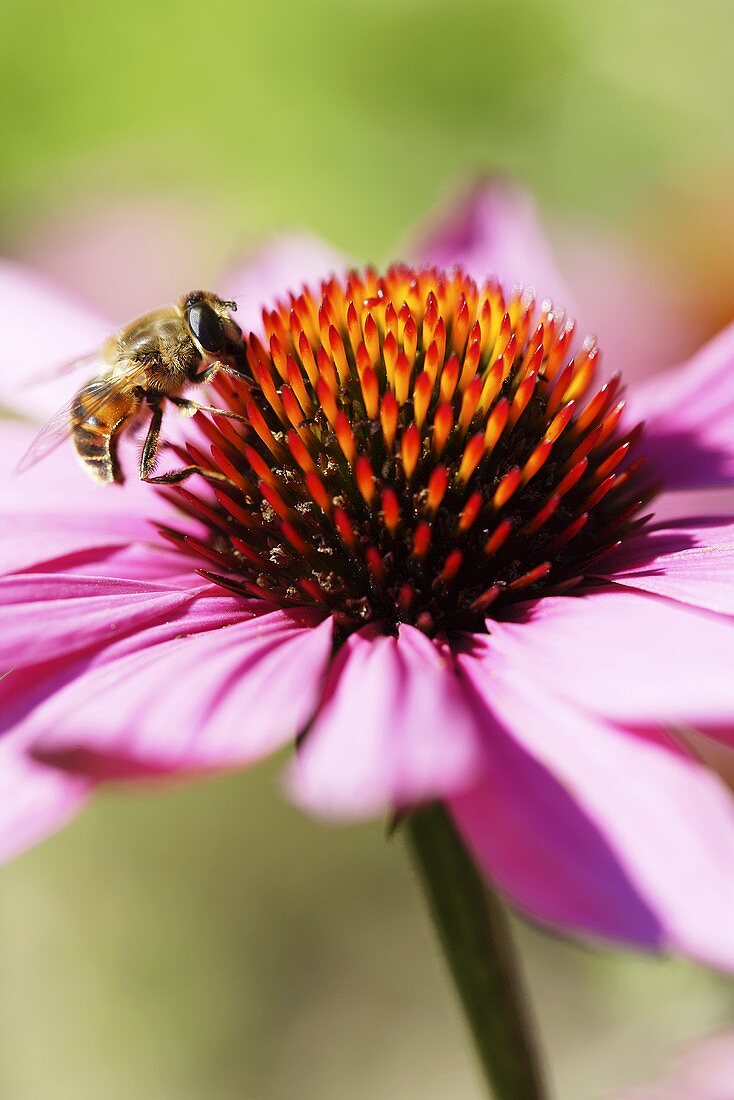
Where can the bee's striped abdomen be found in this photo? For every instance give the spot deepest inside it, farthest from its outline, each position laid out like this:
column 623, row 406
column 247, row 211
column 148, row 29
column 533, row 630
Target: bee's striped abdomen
column 96, row 429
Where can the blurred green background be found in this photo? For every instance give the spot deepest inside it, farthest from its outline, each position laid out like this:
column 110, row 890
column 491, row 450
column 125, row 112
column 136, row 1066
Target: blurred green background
column 210, row 942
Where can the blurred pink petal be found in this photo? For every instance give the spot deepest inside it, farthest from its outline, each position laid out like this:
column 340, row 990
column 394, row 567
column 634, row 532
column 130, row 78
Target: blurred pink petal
column 689, row 415
column 636, row 304
column 598, row 829
column 411, row 734
column 35, row 800
column 282, row 263
column 50, row 512
column 687, row 560
column 628, row 656
column 494, row 229
column 62, row 327
column 115, row 721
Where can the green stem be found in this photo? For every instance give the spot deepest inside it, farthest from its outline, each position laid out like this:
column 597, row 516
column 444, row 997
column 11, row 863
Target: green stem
column 475, row 936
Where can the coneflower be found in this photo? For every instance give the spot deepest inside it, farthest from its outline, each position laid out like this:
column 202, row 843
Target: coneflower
column 421, row 557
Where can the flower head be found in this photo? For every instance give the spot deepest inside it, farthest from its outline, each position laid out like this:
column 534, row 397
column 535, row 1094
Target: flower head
column 405, row 561
column 420, row 450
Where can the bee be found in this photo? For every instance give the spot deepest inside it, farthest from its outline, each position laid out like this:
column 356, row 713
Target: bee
column 144, row 365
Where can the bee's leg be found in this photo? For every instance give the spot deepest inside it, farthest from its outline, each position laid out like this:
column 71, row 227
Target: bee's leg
column 174, row 476
column 190, row 407
column 208, row 373
column 150, row 452
column 233, row 371
column 150, row 446
column 205, row 375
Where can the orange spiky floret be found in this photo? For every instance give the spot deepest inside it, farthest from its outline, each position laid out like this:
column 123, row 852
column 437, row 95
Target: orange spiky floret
column 417, row 448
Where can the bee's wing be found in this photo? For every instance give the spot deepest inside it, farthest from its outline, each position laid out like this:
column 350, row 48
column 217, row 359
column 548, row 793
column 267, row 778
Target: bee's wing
column 91, row 359
column 61, row 426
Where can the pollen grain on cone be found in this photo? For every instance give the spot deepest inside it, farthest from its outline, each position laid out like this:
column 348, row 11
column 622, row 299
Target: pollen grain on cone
column 415, row 447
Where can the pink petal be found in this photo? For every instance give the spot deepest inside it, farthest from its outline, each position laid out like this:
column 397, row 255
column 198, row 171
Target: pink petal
column 689, row 560
column 27, row 543
column 54, row 510
column 394, row 728
column 34, row 674
column 628, row 656
column 147, row 562
column 597, row 829
column 197, row 701
column 45, row 616
column 495, row 229
column 281, row 264
column 633, row 304
column 35, row 800
column 58, row 481
column 689, row 414
column 633, row 299
column 62, row 328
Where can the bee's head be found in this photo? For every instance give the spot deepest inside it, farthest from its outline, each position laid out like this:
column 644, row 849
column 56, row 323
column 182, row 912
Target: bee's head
column 209, row 321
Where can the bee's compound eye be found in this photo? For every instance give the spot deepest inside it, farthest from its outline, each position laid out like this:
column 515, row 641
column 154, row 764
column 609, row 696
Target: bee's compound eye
column 206, row 326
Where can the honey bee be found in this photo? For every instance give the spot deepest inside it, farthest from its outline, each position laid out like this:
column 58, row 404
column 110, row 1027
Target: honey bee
column 143, row 365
